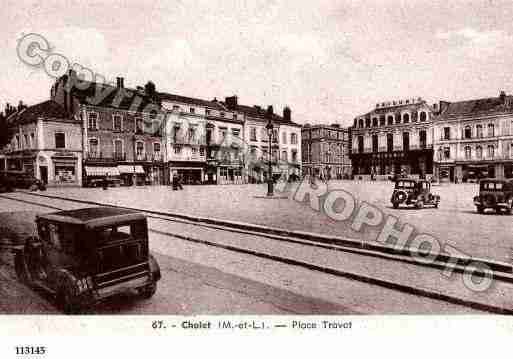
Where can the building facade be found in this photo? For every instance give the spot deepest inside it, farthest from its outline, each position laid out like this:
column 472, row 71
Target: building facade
column 326, row 151
column 121, row 130
column 47, row 144
column 474, row 139
column 394, row 138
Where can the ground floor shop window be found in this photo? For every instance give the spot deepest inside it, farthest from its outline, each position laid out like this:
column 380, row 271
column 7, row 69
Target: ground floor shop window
column 65, row 174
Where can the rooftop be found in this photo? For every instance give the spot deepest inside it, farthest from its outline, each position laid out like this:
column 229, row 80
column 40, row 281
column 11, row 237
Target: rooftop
column 47, row 110
column 483, row 105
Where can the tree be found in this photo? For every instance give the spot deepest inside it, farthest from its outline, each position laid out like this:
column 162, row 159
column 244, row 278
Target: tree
column 150, row 89
column 5, row 131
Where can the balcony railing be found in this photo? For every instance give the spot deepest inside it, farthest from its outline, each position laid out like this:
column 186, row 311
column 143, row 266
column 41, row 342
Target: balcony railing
column 148, row 157
column 105, row 157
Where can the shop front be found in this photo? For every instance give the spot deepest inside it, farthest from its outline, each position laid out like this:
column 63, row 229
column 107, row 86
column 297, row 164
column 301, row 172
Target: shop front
column 132, row 175
column 94, row 175
column 65, row 169
column 190, row 173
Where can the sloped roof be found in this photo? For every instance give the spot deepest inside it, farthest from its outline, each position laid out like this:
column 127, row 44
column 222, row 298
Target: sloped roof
column 483, row 105
column 260, row 114
column 164, row 96
column 48, row 110
column 396, row 108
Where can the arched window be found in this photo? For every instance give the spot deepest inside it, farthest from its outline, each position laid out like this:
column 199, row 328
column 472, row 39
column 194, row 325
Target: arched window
column 397, row 118
column 406, row 118
column 360, row 123
column 491, row 130
column 467, row 132
column 479, row 131
column 382, row 120
column 390, row 120
column 479, row 152
column 374, row 122
column 468, row 152
column 423, row 116
column 491, row 151
column 390, row 142
column 367, row 122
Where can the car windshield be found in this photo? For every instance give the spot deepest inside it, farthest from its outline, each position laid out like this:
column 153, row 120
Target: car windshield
column 405, row 184
column 492, row 186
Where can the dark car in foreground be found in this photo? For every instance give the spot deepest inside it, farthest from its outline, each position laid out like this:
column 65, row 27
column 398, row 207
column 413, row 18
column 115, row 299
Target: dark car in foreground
column 413, row 192
column 85, row 256
column 495, row 194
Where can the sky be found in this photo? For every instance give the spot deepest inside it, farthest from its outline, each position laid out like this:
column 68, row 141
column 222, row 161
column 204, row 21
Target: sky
column 330, row 61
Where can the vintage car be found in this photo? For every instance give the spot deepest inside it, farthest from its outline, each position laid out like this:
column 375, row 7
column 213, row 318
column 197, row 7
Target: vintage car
column 496, row 194
column 17, row 179
column 87, row 255
column 416, row 192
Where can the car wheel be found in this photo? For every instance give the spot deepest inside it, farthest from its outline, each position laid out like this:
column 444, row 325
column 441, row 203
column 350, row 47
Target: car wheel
column 419, row 204
column 66, row 302
column 396, row 205
column 149, row 291
column 21, row 268
column 480, row 209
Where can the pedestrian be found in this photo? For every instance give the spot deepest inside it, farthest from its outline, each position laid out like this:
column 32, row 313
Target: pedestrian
column 105, row 183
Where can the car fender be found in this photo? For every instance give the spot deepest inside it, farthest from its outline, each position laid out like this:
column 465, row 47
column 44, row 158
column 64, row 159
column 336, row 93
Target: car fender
column 154, row 268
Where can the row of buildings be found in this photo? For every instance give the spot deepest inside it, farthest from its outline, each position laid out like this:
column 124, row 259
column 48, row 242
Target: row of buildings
column 89, row 130
column 455, row 141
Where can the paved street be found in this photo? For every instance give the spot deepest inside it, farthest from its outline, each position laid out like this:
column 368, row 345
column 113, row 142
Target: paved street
column 456, row 222
column 199, row 279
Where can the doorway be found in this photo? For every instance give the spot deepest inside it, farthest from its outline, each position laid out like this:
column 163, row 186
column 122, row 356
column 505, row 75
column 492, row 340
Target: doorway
column 43, row 170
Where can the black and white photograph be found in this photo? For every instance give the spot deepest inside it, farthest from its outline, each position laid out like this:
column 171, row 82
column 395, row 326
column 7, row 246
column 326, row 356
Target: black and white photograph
column 255, row 159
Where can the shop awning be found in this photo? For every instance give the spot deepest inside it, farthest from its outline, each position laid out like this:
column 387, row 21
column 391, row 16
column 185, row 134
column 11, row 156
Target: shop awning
column 101, row 171
column 130, row 169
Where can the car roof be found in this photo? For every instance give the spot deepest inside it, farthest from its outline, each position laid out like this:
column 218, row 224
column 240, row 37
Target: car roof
column 94, row 217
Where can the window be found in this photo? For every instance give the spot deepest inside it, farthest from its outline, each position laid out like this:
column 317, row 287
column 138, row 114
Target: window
column 234, row 116
column 447, row 153
column 479, row 152
column 468, row 152
column 293, row 138
column 194, row 151
column 118, row 122
column 360, row 144
column 284, row 137
column 235, row 132
column 397, row 118
column 177, row 149
column 93, row 147
column 252, row 134
column 139, row 149
column 422, row 139
column 60, row 140
column 32, row 143
column 367, row 122
column 467, row 132
column 92, row 121
column 223, row 132
column 176, row 108
column 265, row 136
column 156, row 147
column 202, row 151
column 27, row 144
column 284, row 156
column 423, row 116
column 479, row 131
column 511, row 151
column 118, row 149
column 275, row 135
column 374, row 143
column 139, row 125
column 390, row 120
column 390, row 142
column 192, row 110
column 382, row 121
column 446, row 133
column 176, row 133
column 406, row 118
column 491, row 151
column 294, row 156
column 207, row 112
column 191, row 134
column 406, row 141
column 360, row 123
column 222, row 114
column 491, row 130
column 375, row 122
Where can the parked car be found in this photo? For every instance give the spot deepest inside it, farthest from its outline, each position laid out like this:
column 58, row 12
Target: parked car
column 87, row 255
column 18, row 179
column 416, row 192
column 496, row 194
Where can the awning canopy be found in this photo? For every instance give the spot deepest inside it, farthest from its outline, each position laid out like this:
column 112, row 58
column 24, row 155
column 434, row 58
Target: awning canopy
column 131, row 169
column 101, row 171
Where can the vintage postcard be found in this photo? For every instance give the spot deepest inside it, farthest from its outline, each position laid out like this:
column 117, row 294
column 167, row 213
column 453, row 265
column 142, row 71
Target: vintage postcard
column 341, row 169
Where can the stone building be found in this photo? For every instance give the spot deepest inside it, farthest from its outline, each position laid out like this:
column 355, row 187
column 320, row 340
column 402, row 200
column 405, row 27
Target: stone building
column 474, row 139
column 121, row 130
column 394, row 138
column 47, row 144
column 326, row 151
column 202, row 140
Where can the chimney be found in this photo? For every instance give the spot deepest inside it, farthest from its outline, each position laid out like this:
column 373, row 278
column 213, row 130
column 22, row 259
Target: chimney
column 120, row 82
column 231, row 102
column 20, row 105
column 502, row 96
column 287, row 114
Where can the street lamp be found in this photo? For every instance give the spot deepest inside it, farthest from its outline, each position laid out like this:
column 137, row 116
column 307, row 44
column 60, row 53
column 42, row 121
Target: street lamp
column 270, row 128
